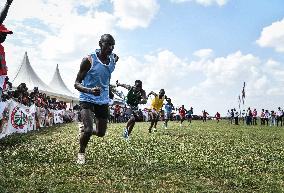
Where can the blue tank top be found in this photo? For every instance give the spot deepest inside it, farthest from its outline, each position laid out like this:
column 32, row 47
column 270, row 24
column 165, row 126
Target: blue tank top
column 168, row 108
column 98, row 75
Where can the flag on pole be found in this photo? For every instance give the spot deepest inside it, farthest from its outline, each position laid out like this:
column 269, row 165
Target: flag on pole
column 239, row 102
column 244, row 93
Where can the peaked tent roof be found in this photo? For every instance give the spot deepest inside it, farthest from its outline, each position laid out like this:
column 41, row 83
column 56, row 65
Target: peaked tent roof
column 58, row 85
column 26, row 74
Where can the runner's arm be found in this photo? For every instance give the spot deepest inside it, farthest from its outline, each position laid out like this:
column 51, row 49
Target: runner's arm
column 128, row 87
column 84, row 68
column 153, row 93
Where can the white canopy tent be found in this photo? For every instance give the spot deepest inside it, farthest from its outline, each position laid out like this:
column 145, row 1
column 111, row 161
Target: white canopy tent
column 26, row 74
column 58, row 86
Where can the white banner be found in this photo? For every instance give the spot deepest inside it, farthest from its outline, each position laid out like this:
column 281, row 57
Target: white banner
column 17, row 118
column 58, row 116
column 21, row 118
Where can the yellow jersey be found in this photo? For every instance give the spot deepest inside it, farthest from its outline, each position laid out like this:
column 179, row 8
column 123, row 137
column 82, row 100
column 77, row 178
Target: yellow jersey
column 157, row 103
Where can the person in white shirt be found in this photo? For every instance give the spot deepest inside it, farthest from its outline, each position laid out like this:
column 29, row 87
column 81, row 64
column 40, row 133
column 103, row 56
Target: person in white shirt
column 254, row 117
column 266, row 116
column 279, row 116
column 262, row 117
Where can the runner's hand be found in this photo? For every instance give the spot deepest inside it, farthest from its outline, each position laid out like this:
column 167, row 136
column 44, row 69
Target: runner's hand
column 116, row 57
column 96, row 91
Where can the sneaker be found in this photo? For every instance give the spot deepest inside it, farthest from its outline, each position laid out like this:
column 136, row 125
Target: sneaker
column 166, row 128
column 81, row 158
column 180, row 125
column 154, row 129
column 125, row 133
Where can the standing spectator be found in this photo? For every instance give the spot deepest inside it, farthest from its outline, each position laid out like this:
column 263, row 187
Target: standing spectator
column 262, row 117
column 236, row 117
column 232, row 116
column 140, row 115
column 145, row 114
column 254, row 117
column 272, row 118
column 111, row 115
column 279, row 116
column 266, row 115
column 243, row 115
column 249, row 116
column 117, row 113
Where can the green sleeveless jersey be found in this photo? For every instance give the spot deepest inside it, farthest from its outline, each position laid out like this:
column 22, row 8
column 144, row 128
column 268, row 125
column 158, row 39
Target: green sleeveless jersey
column 133, row 97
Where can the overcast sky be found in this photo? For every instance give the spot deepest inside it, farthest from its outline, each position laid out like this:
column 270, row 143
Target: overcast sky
column 199, row 51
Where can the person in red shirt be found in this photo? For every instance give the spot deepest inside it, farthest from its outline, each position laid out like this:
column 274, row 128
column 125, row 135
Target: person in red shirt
column 182, row 112
column 218, row 117
column 3, row 34
column 117, row 113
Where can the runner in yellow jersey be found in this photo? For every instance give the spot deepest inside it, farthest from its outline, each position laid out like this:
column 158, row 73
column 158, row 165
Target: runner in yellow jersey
column 156, row 106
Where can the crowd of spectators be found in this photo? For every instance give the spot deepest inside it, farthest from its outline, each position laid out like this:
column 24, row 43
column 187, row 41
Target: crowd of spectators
column 23, row 96
column 121, row 114
column 252, row 117
column 46, row 105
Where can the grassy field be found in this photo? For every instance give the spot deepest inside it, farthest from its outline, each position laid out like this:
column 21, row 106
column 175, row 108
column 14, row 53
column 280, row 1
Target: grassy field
column 199, row 157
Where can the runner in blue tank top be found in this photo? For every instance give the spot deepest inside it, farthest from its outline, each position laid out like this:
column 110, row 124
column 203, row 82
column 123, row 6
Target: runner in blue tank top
column 169, row 107
column 93, row 81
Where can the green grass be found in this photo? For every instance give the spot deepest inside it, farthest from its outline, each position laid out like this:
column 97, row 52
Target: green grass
column 206, row 157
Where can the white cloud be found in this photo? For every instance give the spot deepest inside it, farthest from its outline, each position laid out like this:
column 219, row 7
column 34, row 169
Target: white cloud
column 135, row 13
column 78, row 36
column 60, row 36
column 273, row 36
column 203, row 53
column 275, row 70
column 49, row 11
column 204, row 2
column 220, row 86
column 54, row 33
